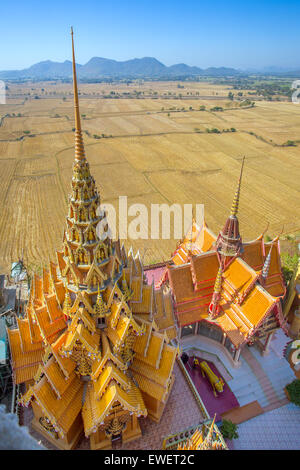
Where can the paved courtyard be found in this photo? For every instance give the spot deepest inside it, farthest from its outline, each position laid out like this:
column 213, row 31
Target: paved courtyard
column 278, row 429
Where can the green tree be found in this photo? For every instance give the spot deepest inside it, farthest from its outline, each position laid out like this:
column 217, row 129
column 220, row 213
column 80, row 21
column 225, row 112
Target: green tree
column 289, row 264
column 294, row 391
column 229, row 429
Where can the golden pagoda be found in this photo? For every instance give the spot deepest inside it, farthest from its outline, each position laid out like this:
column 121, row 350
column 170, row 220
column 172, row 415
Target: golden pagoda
column 93, row 348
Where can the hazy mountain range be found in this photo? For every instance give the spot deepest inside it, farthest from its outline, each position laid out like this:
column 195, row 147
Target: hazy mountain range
column 98, row 67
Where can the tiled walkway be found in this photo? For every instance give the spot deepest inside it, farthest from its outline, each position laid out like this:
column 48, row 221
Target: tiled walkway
column 275, row 430
column 266, row 385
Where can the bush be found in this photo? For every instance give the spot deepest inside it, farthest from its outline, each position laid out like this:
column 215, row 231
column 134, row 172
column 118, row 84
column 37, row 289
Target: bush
column 289, row 264
column 290, row 143
column 216, row 108
column 229, row 429
column 214, row 130
column 294, row 391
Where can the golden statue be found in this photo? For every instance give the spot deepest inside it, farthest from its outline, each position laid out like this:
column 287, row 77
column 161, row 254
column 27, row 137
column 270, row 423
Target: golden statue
column 95, row 280
column 215, row 381
column 91, row 235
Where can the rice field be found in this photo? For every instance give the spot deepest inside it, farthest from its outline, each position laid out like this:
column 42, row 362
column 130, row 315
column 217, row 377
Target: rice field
column 155, row 150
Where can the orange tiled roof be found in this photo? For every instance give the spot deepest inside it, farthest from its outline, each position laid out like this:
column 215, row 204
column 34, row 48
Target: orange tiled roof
column 197, row 240
column 53, row 309
column 110, row 372
column 60, row 291
column 244, row 303
column 160, row 375
column 145, row 304
column 56, row 377
column 64, row 411
column 24, row 364
column 253, row 254
column 25, row 336
column 48, row 328
column 274, row 283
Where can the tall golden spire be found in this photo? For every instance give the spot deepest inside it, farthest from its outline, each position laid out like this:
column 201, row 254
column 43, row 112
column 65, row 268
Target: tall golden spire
column 229, row 242
column 79, row 147
column 235, row 203
column 214, row 304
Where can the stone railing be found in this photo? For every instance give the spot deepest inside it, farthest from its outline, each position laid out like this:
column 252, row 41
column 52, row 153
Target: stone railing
column 193, row 389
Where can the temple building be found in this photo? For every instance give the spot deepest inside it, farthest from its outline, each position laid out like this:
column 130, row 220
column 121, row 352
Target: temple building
column 205, row 436
column 93, row 348
column 225, row 289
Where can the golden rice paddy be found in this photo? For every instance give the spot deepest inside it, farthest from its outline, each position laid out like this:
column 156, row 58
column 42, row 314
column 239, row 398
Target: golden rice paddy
column 154, row 151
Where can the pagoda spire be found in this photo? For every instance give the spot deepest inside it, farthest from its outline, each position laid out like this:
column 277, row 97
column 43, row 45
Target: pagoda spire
column 79, row 147
column 214, row 304
column 229, row 241
column 266, row 267
column 236, row 199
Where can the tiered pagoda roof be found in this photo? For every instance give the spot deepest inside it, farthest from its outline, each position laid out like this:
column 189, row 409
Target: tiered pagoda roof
column 90, row 341
column 250, row 283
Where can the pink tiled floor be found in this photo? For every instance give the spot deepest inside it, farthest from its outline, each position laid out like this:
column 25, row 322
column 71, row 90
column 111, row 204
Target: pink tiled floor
column 154, row 274
column 180, row 412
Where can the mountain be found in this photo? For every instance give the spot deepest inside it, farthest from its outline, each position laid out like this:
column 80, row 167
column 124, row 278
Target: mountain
column 99, row 67
column 42, row 70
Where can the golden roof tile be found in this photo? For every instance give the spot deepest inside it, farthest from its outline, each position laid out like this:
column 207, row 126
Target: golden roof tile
column 22, row 360
column 26, row 343
column 163, row 373
column 56, row 377
column 64, row 411
column 48, row 328
column 110, row 372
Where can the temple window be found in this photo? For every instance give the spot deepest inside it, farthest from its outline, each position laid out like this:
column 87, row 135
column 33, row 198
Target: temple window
column 188, row 330
column 229, row 346
column 101, row 322
column 210, row 331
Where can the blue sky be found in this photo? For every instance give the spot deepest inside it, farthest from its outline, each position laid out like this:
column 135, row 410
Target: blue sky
column 233, row 33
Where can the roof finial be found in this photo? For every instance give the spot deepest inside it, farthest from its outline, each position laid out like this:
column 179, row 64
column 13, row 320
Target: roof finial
column 235, row 204
column 266, row 266
column 208, row 441
column 79, row 148
column 214, row 304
